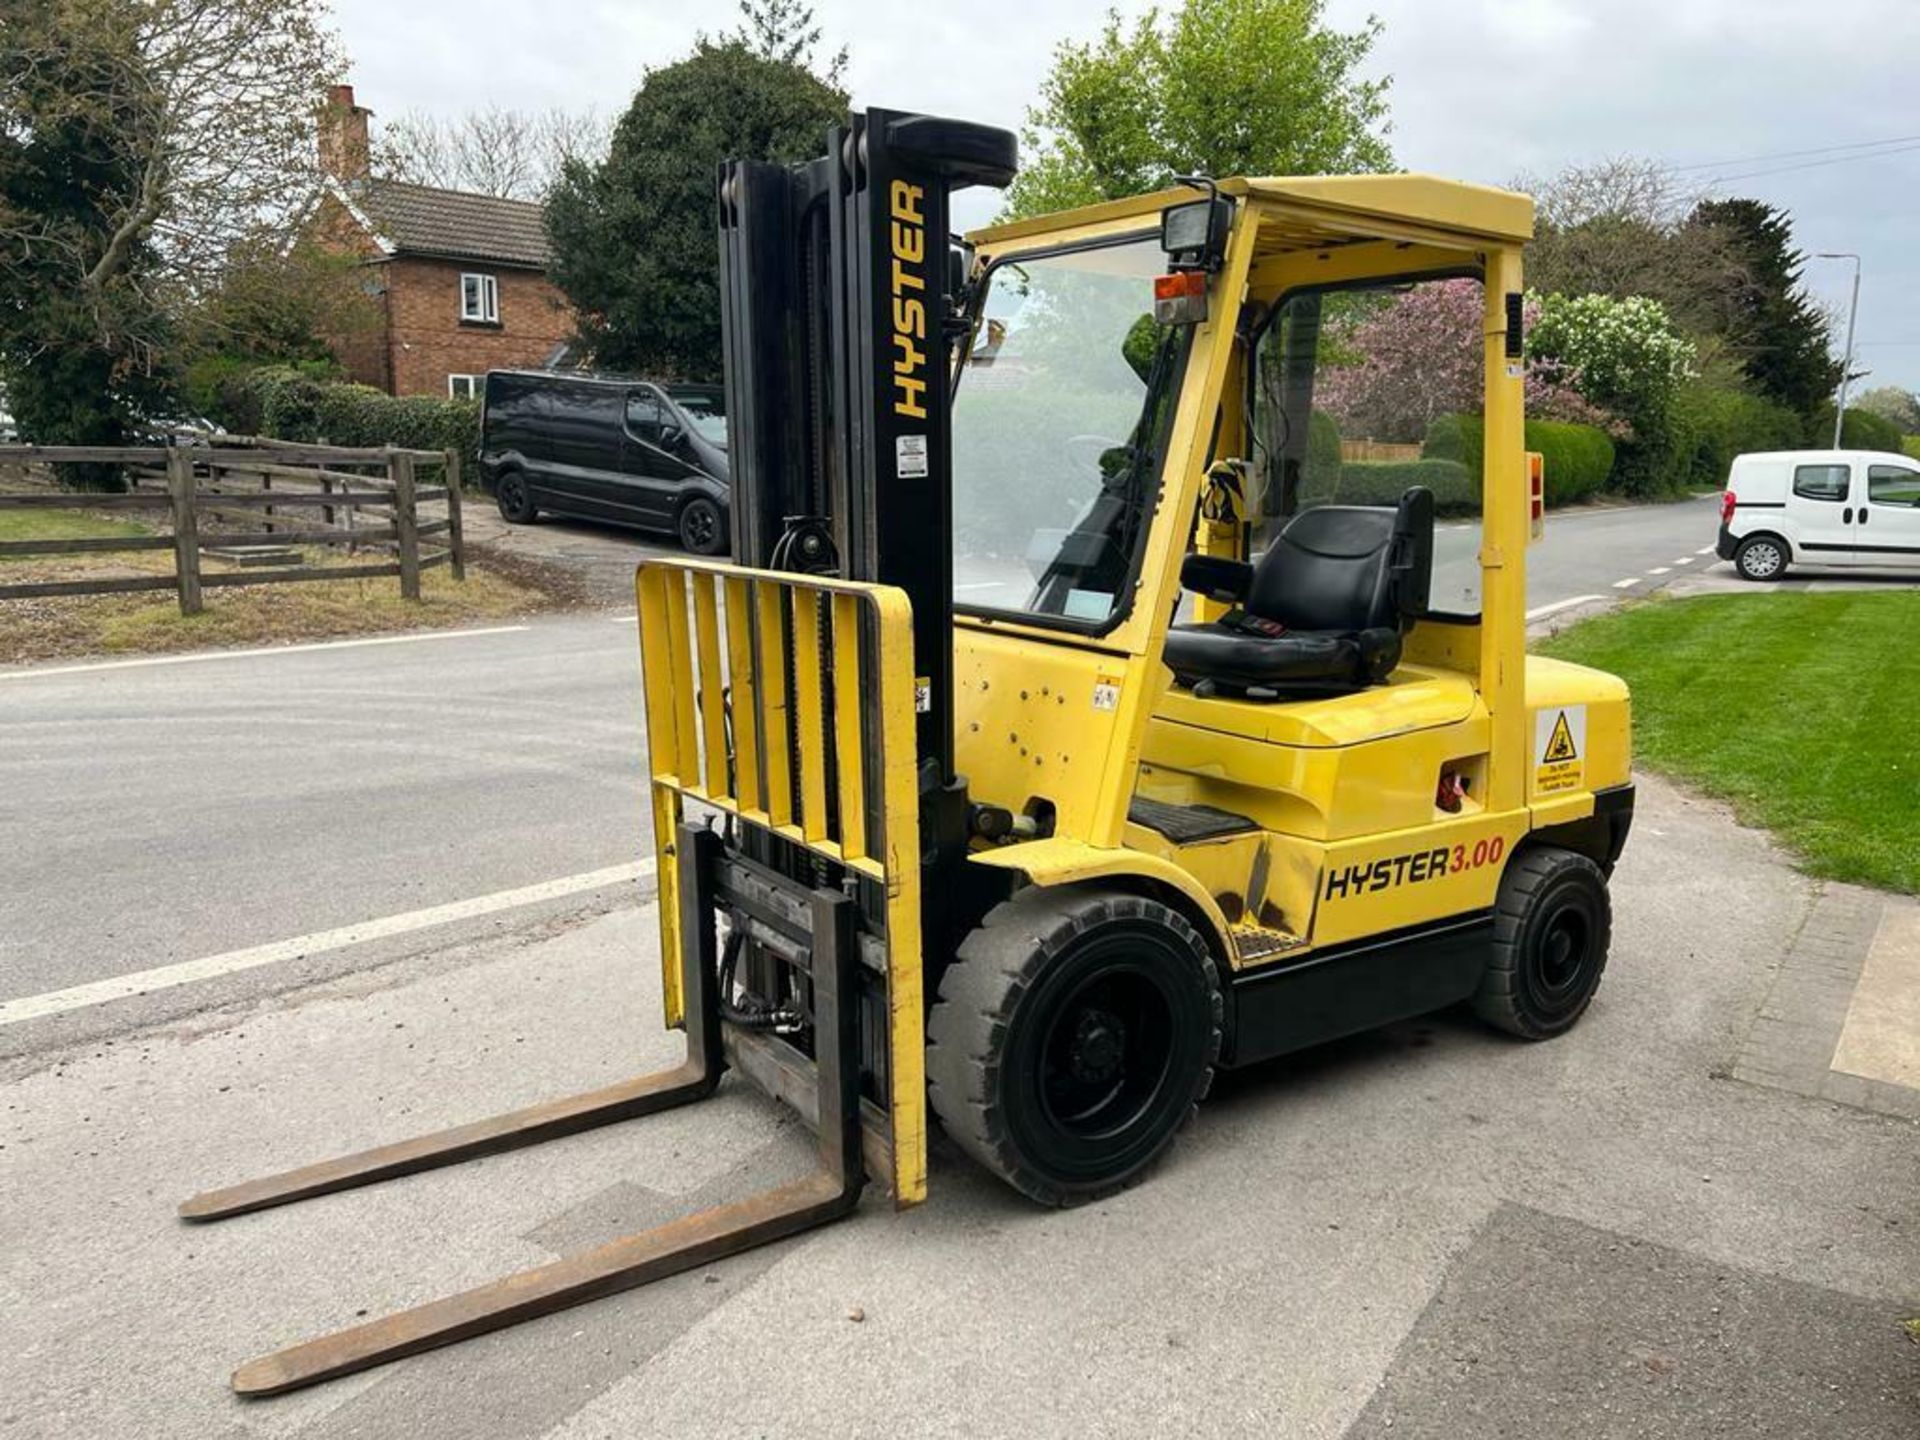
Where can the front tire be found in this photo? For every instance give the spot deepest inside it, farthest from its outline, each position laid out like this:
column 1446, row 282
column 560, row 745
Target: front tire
column 702, row 527
column 1761, row 557
column 1552, row 925
column 510, row 493
column 1075, row 1033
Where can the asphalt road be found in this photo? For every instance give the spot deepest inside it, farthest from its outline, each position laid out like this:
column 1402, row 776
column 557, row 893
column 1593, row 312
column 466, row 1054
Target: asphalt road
column 170, row 812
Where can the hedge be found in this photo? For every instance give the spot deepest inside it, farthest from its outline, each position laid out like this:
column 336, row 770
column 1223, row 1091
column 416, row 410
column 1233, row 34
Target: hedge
column 1456, row 490
column 1911, row 444
column 287, row 405
column 1577, row 458
column 1863, row 430
column 1711, row 424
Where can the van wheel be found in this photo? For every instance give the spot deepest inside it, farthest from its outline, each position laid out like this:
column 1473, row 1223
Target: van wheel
column 1761, row 557
column 1075, row 1033
column 511, row 495
column 1552, row 924
column 703, row 529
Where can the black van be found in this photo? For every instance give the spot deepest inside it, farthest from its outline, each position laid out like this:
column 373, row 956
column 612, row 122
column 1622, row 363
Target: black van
column 600, row 448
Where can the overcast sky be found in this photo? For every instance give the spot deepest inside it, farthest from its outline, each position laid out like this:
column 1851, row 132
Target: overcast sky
column 1482, row 89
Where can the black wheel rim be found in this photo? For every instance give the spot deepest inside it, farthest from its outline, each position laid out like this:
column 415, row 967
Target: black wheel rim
column 1107, row 1051
column 699, row 526
column 1103, row 1059
column 512, row 497
column 1563, row 959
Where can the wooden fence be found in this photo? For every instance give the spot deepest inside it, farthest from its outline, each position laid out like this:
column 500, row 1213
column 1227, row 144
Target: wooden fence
column 239, row 495
column 1378, row 450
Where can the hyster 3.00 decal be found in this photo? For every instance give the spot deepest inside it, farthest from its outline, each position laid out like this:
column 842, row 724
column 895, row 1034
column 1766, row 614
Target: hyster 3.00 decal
column 1413, row 868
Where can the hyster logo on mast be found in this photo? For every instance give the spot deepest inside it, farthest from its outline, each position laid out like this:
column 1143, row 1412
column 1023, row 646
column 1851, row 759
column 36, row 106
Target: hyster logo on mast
column 908, row 235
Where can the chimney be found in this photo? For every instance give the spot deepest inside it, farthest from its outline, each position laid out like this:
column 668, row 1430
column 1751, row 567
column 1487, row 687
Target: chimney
column 344, row 150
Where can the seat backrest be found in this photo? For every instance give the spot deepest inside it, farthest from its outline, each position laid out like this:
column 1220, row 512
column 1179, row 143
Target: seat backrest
column 1349, row 567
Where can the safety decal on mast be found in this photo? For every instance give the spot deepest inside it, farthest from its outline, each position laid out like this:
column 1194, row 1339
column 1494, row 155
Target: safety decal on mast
column 1560, row 745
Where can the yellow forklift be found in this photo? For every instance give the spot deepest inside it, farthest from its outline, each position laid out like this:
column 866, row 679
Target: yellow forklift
column 1083, row 713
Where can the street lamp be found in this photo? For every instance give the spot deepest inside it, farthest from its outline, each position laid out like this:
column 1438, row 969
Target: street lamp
column 1846, row 369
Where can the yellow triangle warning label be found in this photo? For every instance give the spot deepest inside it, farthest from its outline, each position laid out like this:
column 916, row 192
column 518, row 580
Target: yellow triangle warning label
column 1560, row 744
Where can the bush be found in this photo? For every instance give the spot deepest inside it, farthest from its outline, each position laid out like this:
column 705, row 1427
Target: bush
column 289, row 404
column 1864, row 430
column 1456, row 490
column 1578, row 458
column 1911, row 445
column 1710, row 424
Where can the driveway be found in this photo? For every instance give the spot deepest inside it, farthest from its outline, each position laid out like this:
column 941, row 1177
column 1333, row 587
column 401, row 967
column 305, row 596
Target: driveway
column 1432, row 1230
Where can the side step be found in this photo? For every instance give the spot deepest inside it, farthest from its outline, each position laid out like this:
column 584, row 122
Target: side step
column 636, row 1259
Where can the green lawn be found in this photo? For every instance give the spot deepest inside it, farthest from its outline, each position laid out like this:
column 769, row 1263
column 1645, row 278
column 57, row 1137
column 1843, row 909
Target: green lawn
column 61, row 525
column 1803, row 710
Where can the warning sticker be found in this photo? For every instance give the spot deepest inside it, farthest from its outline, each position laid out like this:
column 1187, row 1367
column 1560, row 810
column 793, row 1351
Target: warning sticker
column 1106, row 692
column 910, row 457
column 1559, row 748
column 922, row 695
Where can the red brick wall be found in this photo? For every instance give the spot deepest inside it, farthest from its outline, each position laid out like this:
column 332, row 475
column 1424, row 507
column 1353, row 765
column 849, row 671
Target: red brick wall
column 430, row 342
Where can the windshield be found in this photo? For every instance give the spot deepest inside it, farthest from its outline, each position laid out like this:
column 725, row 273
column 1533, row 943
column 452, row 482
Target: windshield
column 706, row 411
column 1058, row 427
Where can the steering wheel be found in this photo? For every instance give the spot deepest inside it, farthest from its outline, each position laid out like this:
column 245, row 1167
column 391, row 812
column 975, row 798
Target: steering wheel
column 1084, row 452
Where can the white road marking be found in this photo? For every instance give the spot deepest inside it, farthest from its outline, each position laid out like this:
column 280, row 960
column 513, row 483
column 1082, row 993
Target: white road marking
column 199, row 655
column 1705, row 550
column 626, row 619
column 981, row 585
column 142, row 982
column 1623, row 584
column 1542, row 611
column 1658, row 569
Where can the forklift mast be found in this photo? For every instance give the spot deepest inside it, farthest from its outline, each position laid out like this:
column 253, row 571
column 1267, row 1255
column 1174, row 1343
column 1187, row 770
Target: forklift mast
column 842, row 303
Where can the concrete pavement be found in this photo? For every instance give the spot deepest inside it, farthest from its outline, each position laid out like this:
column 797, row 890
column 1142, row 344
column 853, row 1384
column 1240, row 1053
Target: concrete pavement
column 1432, row 1230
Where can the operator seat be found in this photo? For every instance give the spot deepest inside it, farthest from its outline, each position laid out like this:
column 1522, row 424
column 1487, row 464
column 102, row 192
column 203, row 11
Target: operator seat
column 1323, row 611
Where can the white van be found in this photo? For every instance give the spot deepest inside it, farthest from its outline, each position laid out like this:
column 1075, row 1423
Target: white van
column 1820, row 507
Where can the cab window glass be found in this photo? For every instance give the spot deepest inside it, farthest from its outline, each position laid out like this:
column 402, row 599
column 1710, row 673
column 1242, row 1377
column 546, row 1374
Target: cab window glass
column 1894, row 485
column 1820, row 482
column 646, row 417
column 1359, row 394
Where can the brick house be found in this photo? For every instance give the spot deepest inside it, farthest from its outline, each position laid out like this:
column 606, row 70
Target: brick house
column 458, row 281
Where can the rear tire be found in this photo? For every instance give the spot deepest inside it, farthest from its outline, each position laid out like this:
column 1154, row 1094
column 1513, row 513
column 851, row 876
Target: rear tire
column 1075, row 1033
column 702, row 527
column 1761, row 557
column 1552, row 925
column 510, row 493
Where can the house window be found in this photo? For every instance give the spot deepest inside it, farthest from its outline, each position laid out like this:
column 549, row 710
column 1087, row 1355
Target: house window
column 463, row 387
column 480, row 299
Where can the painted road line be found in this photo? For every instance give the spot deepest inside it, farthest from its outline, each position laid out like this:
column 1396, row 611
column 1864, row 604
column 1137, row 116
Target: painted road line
column 199, row 655
column 1705, row 550
column 1623, row 584
column 165, row 977
column 626, row 619
column 1658, row 569
column 1684, row 560
column 1541, row 612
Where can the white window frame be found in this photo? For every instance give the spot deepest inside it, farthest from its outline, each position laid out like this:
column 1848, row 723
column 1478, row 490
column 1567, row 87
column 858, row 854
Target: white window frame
column 472, row 390
column 488, row 288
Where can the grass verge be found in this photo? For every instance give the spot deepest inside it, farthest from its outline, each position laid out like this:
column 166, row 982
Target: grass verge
column 61, row 525
column 64, row 627
column 1800, row 709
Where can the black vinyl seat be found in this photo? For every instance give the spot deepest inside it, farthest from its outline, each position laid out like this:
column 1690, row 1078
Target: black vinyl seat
column 1322, row 613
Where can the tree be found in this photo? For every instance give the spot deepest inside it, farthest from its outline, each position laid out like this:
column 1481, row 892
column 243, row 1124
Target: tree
column 140, row 141
column 515, row 154
column 1891, row 402
column 1778, row 334
column 1627, row 357
column 784, row 32
column 1420, row 355
column 634, row 237
column 1219, row 87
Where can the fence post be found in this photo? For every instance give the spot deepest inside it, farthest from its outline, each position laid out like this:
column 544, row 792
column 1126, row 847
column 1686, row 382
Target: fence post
column 406, row 520
column 186, row 529
column 456, row 543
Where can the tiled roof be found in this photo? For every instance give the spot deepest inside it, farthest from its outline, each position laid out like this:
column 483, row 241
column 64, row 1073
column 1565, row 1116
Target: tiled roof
column 452, row 224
